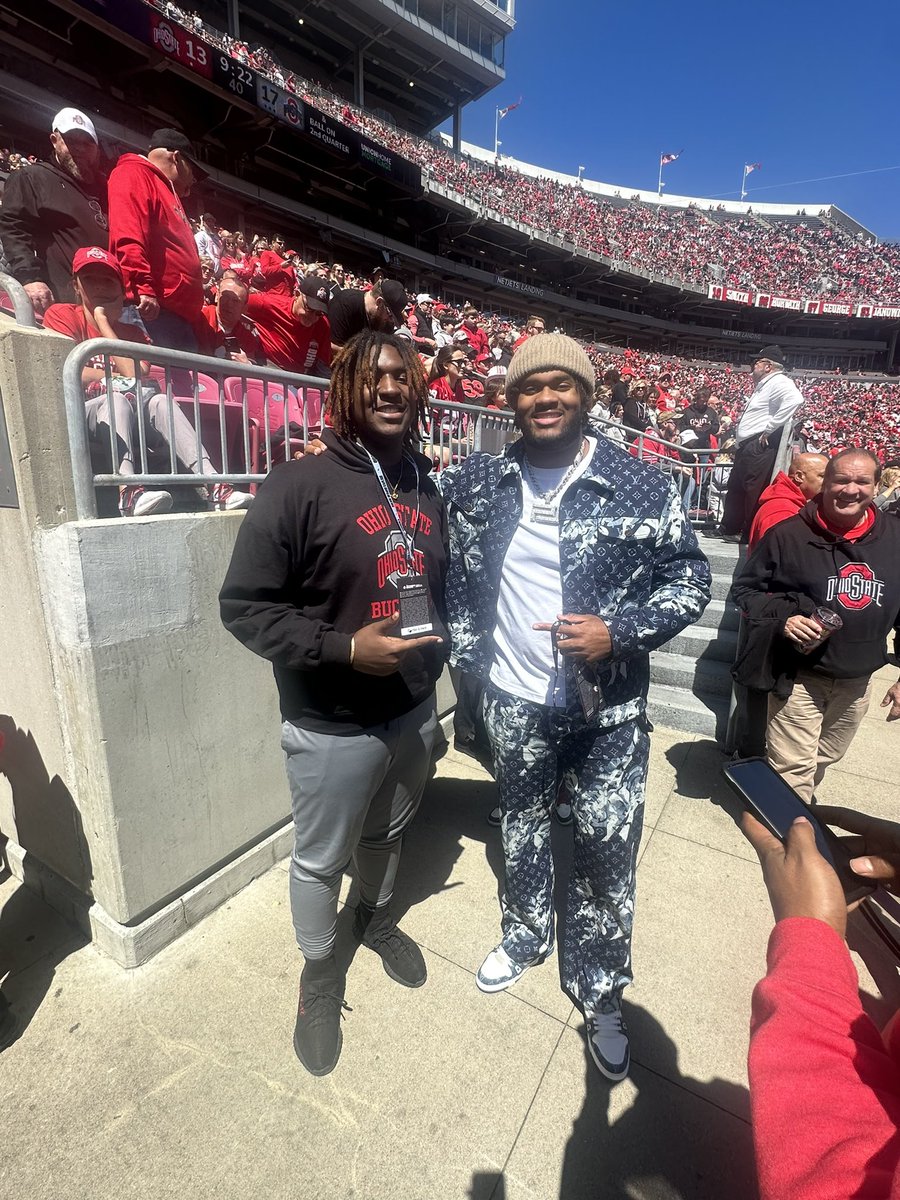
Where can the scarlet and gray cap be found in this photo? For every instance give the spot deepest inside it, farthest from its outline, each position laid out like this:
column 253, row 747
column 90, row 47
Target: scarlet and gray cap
column 314, row 289
column 550, row 351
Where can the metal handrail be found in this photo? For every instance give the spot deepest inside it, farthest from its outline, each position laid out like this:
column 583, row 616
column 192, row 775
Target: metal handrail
column 22, row 305
column 84, row 478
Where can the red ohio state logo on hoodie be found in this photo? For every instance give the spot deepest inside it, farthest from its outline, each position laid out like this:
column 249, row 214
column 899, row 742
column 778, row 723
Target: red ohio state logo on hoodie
column 855, row 586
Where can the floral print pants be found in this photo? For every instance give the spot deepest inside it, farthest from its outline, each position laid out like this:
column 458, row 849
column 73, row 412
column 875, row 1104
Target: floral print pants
column 536, row 748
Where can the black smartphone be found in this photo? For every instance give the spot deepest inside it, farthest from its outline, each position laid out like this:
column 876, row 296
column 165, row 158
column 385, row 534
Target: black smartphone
column 773, row 802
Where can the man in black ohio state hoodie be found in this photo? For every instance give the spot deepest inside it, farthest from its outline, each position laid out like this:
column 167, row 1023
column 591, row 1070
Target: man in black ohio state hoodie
column 839, row 553
column 313, row 587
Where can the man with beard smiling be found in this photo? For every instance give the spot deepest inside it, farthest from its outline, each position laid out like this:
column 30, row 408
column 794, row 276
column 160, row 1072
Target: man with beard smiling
column 570, row 561
column 51, row 209
column 840, row 554
column 314, row 586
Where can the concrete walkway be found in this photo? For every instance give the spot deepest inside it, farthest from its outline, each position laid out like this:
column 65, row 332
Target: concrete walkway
column 179, row 1079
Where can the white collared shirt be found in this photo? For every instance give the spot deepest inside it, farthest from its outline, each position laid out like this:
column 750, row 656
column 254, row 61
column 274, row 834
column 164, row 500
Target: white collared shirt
column 772, row 404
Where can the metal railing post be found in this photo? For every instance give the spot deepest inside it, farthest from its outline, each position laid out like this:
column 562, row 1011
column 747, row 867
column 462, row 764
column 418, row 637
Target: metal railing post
column 22, row 306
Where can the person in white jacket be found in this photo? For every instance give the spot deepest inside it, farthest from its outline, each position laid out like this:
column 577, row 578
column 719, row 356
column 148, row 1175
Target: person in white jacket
column 769, row 413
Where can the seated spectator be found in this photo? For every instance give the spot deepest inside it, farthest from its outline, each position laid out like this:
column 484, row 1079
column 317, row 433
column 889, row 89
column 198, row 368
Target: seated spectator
column 533, row 326
column 208, row 279
column 824, row 1082
column 471, row 331
column 276, row 273
column 381, row 308
column 209, row 242
column 100, row 287
column 294, row 330
column 421, row 324
column 445, row 376
column 614, row 431
column 231, row 334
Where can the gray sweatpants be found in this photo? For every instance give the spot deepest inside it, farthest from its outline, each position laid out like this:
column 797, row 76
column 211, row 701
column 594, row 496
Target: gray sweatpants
column 158, row 433
column 352, row 797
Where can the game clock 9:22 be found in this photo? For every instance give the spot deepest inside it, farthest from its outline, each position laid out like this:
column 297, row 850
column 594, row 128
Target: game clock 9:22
column 232, row 75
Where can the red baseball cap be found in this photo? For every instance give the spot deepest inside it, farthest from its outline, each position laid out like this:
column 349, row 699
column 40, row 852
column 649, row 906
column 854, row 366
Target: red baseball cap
column 93, row 256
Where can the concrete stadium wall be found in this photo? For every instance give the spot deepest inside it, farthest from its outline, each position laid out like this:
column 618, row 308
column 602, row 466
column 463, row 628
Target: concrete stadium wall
column 141, row 778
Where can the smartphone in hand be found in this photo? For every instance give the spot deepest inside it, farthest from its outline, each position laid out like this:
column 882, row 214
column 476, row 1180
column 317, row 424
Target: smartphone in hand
column 776, row 805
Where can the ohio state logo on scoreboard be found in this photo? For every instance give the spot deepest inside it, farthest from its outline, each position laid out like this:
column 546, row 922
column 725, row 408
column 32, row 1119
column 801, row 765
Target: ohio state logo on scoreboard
column 855, row 586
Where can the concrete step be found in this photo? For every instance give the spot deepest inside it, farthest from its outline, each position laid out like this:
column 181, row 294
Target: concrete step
column 720, row 614
column 696, row 675
column 721, row 587
column 675, row 708
column 721, row 564
column 705, row 642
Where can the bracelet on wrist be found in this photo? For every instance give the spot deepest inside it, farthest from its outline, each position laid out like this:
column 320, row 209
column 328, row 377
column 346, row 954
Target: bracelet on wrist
column 352, row 650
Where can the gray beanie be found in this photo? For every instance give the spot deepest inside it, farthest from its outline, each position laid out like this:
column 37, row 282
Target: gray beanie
column 546, row 352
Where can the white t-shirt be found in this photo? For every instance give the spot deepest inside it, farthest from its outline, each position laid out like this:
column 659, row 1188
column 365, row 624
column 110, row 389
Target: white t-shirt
column 531, row 590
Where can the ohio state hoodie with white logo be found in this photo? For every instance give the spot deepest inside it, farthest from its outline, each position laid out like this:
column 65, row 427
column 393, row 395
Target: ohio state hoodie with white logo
column 858, row 579
column 318, row 556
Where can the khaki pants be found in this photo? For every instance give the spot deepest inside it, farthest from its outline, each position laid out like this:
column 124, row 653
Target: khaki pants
column 814, row 727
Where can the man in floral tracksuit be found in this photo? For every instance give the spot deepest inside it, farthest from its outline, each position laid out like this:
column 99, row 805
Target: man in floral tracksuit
column 570, row 561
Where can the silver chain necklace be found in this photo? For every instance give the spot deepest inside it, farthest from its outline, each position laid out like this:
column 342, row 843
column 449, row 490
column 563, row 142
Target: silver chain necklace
column 545, row 509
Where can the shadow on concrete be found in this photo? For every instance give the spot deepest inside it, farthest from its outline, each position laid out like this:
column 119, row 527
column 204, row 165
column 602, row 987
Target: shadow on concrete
column 48, row 824
column 698, row 775
column 487, row 1185
column 668, row 1144
column 34, row 938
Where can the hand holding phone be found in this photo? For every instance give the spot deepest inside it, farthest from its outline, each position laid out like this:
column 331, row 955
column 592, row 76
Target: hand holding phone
column 801, row 861
column 798, row 879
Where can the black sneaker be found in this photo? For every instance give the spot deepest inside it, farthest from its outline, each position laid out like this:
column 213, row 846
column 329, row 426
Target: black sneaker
column 317, row 1033
column 402, row 958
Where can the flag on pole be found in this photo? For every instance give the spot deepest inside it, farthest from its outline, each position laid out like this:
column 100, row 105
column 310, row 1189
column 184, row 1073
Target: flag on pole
column 748, row 167
column 501, row 112
column 665, row 159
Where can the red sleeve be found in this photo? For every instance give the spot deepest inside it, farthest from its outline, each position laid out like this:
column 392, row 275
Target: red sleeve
column 824, row 1092
column 270, row 266
column 67, row 319
column 130, row 218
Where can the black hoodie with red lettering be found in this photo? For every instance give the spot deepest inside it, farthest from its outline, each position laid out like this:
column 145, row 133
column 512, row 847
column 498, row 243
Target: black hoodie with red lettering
column 318, row 556
column 859, row 580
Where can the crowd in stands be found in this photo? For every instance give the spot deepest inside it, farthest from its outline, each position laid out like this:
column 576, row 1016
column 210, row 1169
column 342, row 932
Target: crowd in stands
column 11, row 160
column 796, row 257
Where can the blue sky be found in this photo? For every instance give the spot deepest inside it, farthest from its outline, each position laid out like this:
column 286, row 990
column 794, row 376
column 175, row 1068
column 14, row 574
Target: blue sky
column 806, row 89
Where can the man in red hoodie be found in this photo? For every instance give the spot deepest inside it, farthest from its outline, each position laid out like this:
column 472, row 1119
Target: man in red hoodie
column 151, row 236
column 787, row 493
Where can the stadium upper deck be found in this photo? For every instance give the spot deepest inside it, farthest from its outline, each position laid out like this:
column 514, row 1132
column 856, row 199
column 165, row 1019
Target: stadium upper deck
column 690, row 278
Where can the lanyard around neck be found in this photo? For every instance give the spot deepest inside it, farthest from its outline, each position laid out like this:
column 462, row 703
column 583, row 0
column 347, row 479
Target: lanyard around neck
column 408, row 534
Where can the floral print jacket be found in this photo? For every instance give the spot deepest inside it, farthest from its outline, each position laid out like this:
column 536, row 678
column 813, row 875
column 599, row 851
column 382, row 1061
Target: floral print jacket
column 627, row 554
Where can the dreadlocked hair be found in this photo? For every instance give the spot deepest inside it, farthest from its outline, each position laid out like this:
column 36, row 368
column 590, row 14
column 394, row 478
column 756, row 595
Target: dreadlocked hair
column 355, row 368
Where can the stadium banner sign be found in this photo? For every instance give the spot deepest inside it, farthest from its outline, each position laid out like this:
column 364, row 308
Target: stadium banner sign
column 718, row 291
column 884, row 310
column 763, row 300
column 280, row 104
column 527, row 289
column 171, row 39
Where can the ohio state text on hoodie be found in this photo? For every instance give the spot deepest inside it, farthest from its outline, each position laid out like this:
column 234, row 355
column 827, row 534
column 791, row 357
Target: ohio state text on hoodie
column 151, row 236
column 859, row 580
column 317, row 557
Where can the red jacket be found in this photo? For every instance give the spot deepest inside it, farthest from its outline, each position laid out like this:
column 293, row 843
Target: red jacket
column 781, row 499
column 824, row 1083
column 277, row 278
column 289, row 343
column 478, row 340
column 151, row 236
